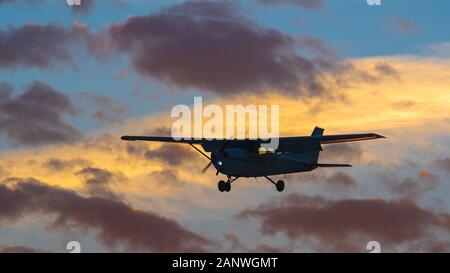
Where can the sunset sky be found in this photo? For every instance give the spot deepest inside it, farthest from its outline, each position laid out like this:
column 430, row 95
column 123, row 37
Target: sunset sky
column 75, row 79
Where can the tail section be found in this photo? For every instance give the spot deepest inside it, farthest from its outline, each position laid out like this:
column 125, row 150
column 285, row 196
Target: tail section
column 317, row 132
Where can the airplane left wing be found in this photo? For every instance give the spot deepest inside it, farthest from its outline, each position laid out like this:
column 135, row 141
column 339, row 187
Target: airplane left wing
column 161, row 139
column 251, row 145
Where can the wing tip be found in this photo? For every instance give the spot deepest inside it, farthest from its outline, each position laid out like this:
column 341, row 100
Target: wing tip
column 127, row 138
column 325, row 165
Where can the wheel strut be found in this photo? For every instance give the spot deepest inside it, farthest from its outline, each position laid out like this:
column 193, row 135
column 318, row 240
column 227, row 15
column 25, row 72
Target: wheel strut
column 268, row 178
column 279, row 185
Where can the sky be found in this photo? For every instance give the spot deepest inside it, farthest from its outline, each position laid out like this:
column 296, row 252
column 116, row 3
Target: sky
column 74, row 79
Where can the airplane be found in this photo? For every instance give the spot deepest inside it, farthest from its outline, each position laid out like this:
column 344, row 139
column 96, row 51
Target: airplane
column 238, row 158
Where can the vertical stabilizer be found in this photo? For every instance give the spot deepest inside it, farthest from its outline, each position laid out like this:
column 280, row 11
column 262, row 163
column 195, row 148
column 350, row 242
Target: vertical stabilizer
column 317, row 132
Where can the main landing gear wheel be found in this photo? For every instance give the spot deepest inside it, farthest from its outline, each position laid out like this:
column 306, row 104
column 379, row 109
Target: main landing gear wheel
column 224, row 186
column 280, row 185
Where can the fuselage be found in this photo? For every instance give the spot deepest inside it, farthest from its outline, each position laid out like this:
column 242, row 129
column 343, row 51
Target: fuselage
column 240, row 163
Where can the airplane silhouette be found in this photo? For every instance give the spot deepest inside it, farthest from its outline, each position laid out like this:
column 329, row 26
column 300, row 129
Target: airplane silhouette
column 237, row 158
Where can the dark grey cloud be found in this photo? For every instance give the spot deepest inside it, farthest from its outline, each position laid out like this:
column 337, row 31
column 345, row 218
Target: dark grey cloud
column 36, row 116
column 57, row 165
column 337, row 182
column 165, row 178
column 339, row 222
column 40, row 46
column 341, row 180
column 116, row 223
column 211, row 46
column 170, row 154
column 379, row 72
column 235, row 245
column 105, row 109
column 307, row 4
column 412, row 187
column 342, row 152
column 18, row 249
column 385, row 69
column 444, row 164
column 98, row 182
column 110, row 115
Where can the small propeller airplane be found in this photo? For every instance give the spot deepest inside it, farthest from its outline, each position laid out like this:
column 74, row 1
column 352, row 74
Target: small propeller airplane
column 238, row 158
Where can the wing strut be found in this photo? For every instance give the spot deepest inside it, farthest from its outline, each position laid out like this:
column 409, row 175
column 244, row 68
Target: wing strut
column 198, row 150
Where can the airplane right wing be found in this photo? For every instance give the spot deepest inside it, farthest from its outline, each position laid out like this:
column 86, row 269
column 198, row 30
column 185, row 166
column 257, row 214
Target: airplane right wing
column 314, row 142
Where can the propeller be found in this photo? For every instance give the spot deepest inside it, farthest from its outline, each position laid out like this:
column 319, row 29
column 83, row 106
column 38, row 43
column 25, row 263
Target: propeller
column 221, row 150
column 207, row 167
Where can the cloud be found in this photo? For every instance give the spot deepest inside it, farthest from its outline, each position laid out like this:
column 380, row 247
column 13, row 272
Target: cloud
column 444, row 164
column 105, row 109
column 336, row 182
column 438, row 50
column 307, row 4
column 386, row 70
column 98, row 182
column 341, row 221
column 341, row 180
column 342, row 151
column 36, row 116
column 410, row 187
column 58, row 165
column 166, row 178
column 211, row 46
column 117, row 223
column 401, row 26
column 18, row 249
column 172, row 154
column 40, row 46
column 235, row 245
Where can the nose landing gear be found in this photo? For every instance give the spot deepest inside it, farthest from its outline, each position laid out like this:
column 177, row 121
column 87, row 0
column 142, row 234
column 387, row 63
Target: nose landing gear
column 279, row 185
column 224, row 186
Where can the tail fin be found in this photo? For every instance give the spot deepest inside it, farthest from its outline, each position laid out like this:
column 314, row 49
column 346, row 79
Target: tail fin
column 317, row 131
column 315, row 155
